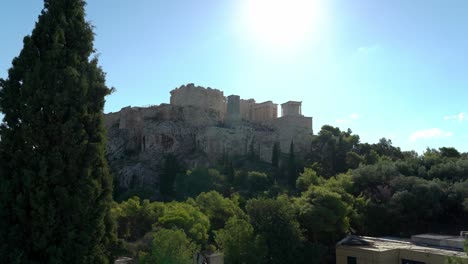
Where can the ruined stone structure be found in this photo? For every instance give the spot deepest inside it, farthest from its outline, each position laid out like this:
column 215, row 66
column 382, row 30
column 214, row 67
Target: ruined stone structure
column 246, row 109
column 265, row 111
column 199, row 126
column 258, row 112
column 291, row 108
column 191, row 95
column 233, row 108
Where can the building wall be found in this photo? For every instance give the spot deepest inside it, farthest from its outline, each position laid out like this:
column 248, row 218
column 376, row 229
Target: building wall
column 291, row 108
column 425, row 257
column 246, row 109
column 233, row 108
column 362, row 256
column 264, row 111
column 391, row 256
column 191, row 95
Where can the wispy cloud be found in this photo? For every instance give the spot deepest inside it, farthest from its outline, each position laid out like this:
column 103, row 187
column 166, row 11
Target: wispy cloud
column 366, row 50
column 354, row 116
column 460, row 117
column 430, row 133
column 348, row 120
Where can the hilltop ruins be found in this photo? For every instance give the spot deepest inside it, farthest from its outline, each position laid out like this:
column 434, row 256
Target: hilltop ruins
column 233, row 108
column 199, row 126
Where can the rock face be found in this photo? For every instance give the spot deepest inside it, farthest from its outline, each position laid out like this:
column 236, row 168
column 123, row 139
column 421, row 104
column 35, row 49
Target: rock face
column 140, row 138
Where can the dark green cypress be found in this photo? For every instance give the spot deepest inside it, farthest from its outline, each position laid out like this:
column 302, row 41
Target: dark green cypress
column 55, row 186
column 168, row 176
column 292, row 167
column 275, row 155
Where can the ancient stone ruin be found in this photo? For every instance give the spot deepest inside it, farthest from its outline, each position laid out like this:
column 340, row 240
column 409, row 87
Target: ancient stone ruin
column 199, row 126
column 233, row 108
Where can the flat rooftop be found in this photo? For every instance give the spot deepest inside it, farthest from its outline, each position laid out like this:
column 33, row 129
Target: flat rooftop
column 385, row 244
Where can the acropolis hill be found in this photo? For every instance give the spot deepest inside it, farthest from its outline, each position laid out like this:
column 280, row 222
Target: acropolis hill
column 199, row 126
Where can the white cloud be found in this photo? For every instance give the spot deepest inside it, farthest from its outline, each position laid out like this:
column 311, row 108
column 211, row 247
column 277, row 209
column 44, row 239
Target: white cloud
column 348, row 120
column 354, row 116
column 430, row 133
column 460, row 117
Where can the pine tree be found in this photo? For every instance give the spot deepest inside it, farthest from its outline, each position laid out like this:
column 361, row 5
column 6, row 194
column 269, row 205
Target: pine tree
column 55, row 186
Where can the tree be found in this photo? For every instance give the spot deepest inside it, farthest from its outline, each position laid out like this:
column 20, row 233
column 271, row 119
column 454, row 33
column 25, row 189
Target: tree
column 306, row 179
column 55, row 193
column 257, row 182
column 353, row 160
column 230, row 173
column 323, row 214
column 135, row 218
column 292, row 166
column 199, row 180
column 275, row 155
column 449, row 152
column 170, row 170
column 239, row 243
column 275, row 223
column 170, row 247
column 188, row 218
column 218, row 209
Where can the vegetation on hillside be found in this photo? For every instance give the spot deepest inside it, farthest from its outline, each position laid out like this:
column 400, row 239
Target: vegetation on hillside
column 254, row 214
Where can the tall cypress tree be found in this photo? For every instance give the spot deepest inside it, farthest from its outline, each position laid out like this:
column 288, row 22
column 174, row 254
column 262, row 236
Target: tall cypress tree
column 55, row 186
column 292, row 167
column 275, row 155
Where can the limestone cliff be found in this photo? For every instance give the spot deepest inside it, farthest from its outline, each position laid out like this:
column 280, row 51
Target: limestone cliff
column 139, row 138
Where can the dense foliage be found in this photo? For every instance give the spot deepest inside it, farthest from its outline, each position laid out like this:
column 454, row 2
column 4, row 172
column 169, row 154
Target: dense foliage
column 257, row 215
column 55, row 187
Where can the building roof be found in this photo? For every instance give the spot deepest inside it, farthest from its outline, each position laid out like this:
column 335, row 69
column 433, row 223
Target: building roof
column 292, row 102
column 385, row 244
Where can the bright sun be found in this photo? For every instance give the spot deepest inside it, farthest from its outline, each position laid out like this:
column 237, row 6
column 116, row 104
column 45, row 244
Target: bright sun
column 281, row 24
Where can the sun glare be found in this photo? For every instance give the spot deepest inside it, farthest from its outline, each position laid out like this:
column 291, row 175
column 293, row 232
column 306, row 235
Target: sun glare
column 281, row 24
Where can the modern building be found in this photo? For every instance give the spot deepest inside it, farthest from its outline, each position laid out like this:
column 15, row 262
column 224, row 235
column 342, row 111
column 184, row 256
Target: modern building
column 420, row 249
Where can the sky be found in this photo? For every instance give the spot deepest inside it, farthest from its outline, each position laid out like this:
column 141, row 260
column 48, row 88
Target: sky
column 389, row 68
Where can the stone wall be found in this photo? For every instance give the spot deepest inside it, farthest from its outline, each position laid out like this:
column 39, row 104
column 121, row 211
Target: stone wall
column 246, row 108
column 291, row 108
column 191, row 95
column 265, row 111
column 233, row 108
column 294, row 128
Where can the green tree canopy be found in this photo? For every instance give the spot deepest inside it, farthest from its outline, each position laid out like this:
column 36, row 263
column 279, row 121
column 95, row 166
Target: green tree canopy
column 135, row 218
column 218, row 209
column 322, row 213
column 239, row 243
column 274, row 221
column 307, row 178
column 170, row 247
column 188, row 218
column 55, row 193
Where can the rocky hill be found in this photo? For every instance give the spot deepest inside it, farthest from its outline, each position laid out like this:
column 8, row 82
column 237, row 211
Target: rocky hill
column 139, row 138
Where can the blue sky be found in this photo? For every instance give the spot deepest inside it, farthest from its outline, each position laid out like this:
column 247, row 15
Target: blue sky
column 390, row 68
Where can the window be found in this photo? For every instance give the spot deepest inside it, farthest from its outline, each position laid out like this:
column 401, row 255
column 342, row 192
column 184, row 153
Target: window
column 408, row 261
column 352, row 260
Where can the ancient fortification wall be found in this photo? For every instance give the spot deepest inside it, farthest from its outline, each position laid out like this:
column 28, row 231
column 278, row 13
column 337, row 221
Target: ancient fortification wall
column 246, row 108
column 265, row 111
column 191, row 95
